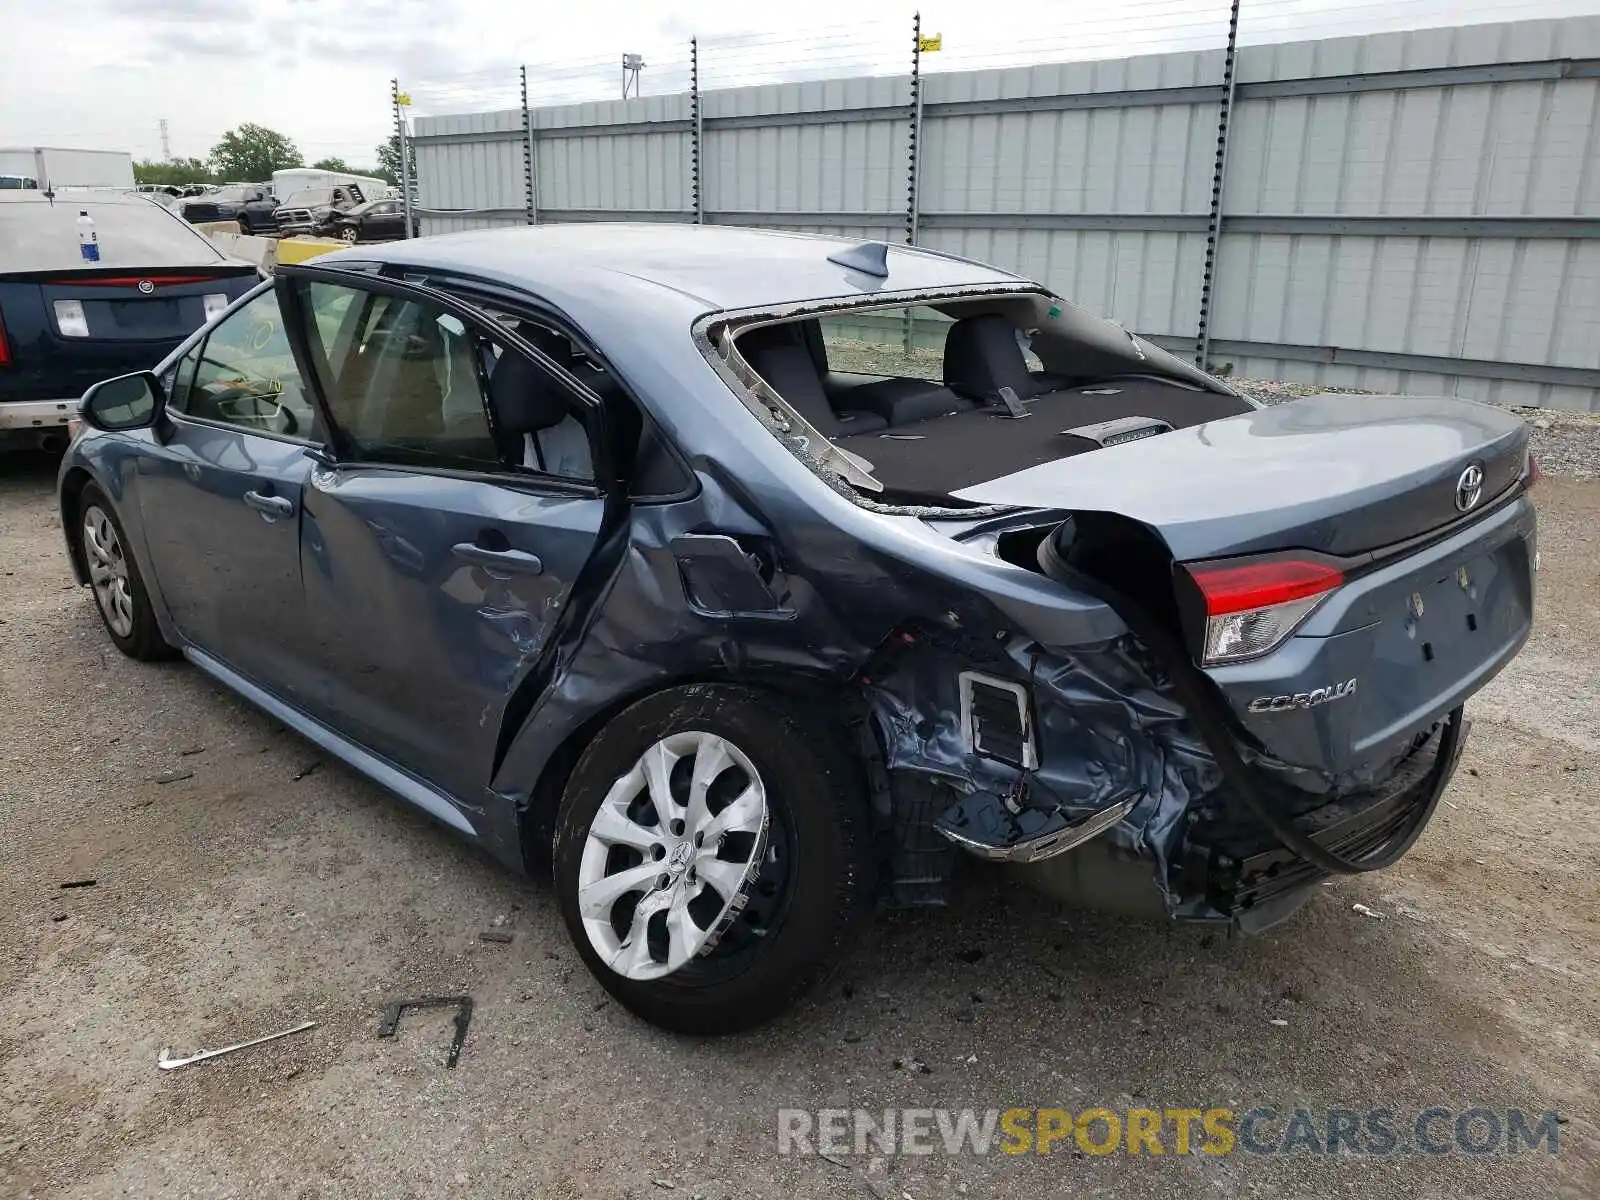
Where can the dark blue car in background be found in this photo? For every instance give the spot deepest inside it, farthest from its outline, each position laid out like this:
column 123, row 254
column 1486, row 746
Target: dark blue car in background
column 753, row 579
column 66, row 323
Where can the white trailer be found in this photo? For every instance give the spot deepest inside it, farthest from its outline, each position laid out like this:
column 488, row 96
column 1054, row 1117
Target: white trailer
column 58, row 167
column 297, row 179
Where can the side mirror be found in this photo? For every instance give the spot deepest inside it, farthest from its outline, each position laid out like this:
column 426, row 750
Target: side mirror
column 126, row 402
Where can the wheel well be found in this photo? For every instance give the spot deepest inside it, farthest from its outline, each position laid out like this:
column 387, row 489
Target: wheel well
column 71, row 494
column 536, row 827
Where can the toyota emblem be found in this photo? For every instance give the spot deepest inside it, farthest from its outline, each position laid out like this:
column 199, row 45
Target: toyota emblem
column 146, row 286
column 1469, row 488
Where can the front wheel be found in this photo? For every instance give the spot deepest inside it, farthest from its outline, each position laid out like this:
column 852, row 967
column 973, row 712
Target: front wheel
column 350, row 234
column 711, row 856
column 119, row 591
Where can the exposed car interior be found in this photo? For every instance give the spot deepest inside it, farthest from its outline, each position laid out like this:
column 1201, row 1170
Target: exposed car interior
column 940, row 398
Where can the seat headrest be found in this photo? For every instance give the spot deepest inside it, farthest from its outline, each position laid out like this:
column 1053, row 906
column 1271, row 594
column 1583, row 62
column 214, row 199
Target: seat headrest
column 981, row 356
column 525, row 399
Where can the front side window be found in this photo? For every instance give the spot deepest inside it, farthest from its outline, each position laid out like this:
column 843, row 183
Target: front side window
column 245, row 375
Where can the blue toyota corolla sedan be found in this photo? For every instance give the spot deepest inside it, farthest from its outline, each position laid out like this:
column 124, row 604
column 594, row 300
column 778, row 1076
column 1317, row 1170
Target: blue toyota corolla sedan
column 757, row 579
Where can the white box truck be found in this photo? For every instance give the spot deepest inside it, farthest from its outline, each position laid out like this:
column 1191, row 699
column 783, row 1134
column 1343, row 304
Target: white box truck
column 55, row 167
column 298, row 179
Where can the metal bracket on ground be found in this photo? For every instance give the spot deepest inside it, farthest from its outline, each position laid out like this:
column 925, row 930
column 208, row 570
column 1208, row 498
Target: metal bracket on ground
column 462, row 1004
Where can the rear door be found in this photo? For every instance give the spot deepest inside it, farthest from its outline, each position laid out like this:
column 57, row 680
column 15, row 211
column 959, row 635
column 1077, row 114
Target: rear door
column 383, row 222
column 221, row 496
column 436, row 564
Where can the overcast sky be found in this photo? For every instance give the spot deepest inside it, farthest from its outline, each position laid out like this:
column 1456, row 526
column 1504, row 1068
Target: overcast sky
column 103, row 73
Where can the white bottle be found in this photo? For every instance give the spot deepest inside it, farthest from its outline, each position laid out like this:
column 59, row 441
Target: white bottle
column 88, row 239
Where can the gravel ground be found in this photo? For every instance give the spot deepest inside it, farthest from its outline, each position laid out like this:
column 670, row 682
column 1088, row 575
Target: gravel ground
column 259, row 888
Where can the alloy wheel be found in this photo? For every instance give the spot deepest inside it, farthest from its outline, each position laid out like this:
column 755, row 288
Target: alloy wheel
column 108, row 571
column 350, row 233
column 671, row 854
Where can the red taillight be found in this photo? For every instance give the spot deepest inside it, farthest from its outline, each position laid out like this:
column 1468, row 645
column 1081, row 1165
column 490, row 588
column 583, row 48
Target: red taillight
column 1251, row 607
column 5, row 346
column 1533, row 470
column 1260, row 585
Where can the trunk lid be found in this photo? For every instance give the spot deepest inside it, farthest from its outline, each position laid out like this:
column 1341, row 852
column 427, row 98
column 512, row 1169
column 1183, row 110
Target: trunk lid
column 1337, row 474
column 1415, row 506
column 129, row 328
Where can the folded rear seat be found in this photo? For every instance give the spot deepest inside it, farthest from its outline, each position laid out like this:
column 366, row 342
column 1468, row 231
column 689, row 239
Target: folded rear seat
column 899, row 401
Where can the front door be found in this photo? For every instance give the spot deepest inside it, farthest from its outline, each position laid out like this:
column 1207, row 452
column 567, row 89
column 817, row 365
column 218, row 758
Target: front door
column 221, row 497
column 436, row 565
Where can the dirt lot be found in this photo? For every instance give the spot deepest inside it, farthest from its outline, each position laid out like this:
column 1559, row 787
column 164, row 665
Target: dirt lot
column 257, row 891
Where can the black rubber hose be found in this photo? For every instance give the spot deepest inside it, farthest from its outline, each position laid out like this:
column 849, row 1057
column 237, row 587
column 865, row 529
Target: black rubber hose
column 1205, row 712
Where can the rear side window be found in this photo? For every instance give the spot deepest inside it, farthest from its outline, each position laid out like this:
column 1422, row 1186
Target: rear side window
column 138, row 234
column 411, row 384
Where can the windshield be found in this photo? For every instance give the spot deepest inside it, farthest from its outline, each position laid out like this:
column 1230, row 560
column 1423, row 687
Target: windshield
column 39, row 236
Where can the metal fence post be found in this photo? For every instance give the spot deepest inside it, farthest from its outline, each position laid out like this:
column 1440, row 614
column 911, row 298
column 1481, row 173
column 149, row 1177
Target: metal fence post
column 696, row 132
column 529, row 163
column 405, row 151
column 913, row 145
column 908, row 334
column 1202, row 352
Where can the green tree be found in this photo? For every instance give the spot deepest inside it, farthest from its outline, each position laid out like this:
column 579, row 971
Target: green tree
column 251, row 153
column 179, row 170
column 389, row 160
column 333, row 164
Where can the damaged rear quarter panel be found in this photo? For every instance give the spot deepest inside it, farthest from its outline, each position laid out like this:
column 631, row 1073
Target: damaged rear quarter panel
column 843, row 578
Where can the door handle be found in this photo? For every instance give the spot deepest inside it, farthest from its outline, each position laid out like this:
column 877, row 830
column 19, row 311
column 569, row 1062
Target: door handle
column 498, row 560
column 270, row 506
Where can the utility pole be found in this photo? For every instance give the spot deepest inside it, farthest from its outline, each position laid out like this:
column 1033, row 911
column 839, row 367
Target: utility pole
column 166, row 146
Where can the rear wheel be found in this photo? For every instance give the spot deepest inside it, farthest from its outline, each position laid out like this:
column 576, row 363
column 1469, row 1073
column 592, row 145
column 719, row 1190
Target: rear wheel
column 711, row 857
column 119, row 592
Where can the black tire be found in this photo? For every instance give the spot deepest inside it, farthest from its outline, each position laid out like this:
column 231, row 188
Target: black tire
column 815, row 884
column 144, row 640
column 244, row 226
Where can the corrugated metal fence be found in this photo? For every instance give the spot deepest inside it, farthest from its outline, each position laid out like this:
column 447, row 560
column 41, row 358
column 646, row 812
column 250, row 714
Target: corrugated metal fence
column 1413, row 211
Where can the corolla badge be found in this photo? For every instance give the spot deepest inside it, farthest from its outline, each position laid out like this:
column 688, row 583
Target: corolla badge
column 1322, row 695
column 1469, row 488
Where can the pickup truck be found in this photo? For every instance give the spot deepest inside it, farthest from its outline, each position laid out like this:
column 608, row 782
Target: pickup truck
column 310, row 210
column 251, row 205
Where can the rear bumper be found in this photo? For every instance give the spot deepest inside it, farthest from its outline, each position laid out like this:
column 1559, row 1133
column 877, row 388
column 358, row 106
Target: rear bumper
column 36, row 414
column 1250, row 878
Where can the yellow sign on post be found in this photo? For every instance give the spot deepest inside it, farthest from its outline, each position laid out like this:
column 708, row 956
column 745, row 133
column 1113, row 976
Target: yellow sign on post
column 931, row 43
column 403, row 99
